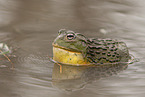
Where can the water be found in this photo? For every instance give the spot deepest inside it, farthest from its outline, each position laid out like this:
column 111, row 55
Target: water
column 30, row 26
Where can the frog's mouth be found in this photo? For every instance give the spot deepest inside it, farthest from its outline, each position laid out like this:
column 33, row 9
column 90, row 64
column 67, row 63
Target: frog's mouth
column 66, row 56
column 64, row 48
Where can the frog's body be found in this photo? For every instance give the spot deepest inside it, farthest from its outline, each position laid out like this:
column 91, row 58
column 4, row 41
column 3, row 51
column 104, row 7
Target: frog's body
column 75, row 49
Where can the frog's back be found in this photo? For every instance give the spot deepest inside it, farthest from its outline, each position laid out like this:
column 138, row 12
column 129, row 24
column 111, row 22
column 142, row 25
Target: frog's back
column 106, row 51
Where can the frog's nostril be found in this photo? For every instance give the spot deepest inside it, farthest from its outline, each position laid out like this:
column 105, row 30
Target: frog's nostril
column 61, row 31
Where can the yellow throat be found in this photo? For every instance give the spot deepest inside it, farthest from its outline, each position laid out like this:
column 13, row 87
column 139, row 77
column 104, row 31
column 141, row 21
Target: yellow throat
column 68, row 57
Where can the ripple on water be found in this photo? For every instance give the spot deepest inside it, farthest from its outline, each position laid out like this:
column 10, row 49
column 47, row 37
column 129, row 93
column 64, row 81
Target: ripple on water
column 34, row 70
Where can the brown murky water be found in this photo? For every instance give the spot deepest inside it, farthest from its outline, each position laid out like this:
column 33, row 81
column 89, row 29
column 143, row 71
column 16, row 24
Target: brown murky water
column 30, row 26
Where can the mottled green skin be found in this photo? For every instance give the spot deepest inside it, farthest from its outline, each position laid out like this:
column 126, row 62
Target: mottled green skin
column 93, row 49
column 106, row 51
column 78, row 44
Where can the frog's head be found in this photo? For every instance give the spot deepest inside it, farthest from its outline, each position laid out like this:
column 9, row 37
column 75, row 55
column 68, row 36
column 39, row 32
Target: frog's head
column 71, row 41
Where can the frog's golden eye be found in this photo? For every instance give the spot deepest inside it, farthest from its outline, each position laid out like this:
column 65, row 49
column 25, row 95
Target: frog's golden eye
column 70, row 36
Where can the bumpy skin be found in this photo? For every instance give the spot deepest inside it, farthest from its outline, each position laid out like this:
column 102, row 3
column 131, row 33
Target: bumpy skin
column 106, row 51
column 93, row 50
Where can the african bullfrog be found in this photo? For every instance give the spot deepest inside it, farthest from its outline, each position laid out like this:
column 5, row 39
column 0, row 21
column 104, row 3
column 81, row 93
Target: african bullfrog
column 73, row 48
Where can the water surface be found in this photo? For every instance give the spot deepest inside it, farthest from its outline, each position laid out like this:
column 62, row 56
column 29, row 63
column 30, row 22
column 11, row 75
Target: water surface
column 30, row 27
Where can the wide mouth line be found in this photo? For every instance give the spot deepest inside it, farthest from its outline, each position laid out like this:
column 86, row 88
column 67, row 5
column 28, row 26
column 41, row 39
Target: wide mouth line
column 64, row 48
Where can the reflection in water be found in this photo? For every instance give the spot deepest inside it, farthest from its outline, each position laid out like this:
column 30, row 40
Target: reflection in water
column 76, row 77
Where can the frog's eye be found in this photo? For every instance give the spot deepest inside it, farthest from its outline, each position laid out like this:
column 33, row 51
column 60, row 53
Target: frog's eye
column 70, row 36
column 61, row 31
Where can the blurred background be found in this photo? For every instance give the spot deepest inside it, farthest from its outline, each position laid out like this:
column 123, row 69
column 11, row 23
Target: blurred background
column 30, row 26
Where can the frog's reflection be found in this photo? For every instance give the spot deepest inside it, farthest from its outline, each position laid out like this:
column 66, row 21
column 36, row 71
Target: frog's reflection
column 76, row 77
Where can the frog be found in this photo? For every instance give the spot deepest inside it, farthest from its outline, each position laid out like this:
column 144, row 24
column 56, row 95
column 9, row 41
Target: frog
column 74, row 48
